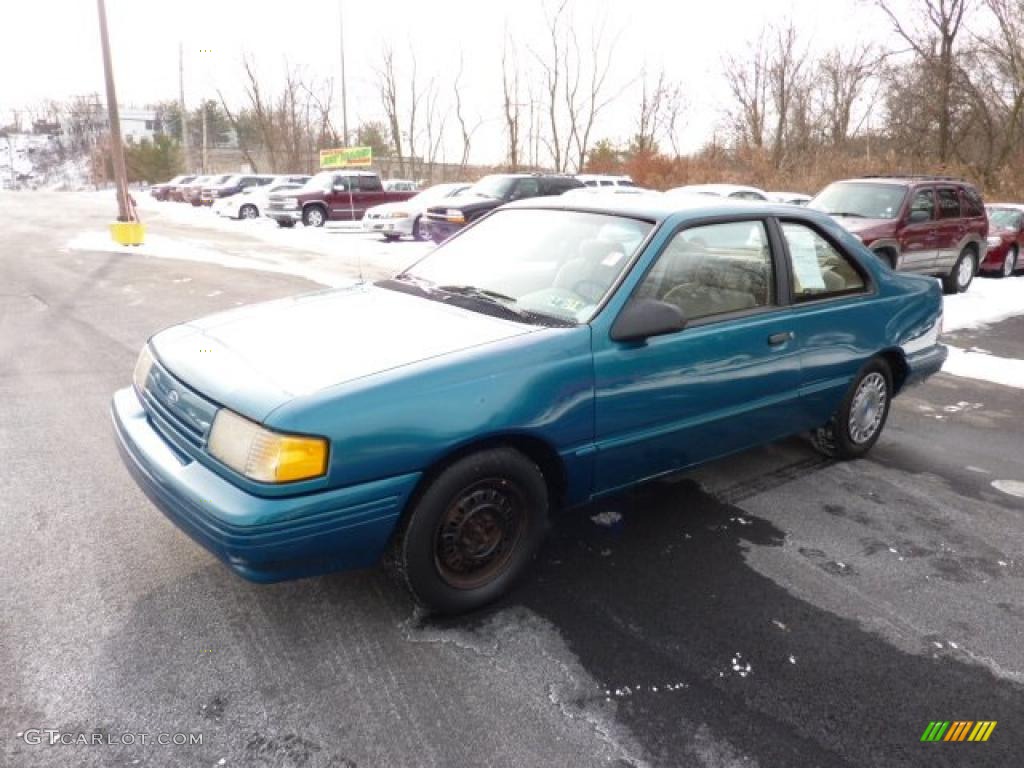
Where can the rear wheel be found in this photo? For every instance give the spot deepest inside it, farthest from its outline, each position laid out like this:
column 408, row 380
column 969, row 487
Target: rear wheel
column 960, row 277
column 314, row 216
column 248, row 211
column 1009, row 262
column 855, row 427
column 474, row 531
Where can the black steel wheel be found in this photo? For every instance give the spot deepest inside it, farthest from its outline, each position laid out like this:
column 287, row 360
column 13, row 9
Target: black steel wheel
column 473, row 530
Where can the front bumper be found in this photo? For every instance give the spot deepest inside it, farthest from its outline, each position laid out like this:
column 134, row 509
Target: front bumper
column 396, row 227
column 284, row 215
column 261, row 539
column 440, row 230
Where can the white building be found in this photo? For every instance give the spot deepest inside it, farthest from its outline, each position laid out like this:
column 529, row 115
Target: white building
column 138, row 124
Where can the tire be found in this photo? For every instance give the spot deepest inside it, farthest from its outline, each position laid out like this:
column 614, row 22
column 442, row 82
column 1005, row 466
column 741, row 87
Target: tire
column 419, row 230
column 494, row 500
column 286, row 223
column 1009, row 263
column 390, row 238
column 861, row 417
column 960, row 277
column 314, row 216
column 248, row 211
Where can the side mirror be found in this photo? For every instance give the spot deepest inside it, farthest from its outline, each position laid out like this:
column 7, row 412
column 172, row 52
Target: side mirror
column 643, row 318
column 916, row 217
column 339, row 188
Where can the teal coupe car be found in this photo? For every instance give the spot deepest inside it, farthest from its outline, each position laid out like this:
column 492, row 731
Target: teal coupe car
column 554, row 352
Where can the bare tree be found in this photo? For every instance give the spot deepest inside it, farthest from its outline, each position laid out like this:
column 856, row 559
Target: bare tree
column 388, row 86
column 785, row 76
column 659, row 110
column 510, row 96
column 748, row 82
column 843, row 76
column 465, row 131
column 934, row 41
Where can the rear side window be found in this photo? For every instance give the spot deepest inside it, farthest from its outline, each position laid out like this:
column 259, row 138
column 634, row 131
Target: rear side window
column 370, row 184
column 949, row 203
column 972, row 202
column 819, row 269
column 525, row 188
column 714, row 270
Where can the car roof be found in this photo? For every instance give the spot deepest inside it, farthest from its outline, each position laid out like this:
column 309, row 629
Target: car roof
column 903, row 181
column 658, row 207
column 718, row 189
column 1009, row 206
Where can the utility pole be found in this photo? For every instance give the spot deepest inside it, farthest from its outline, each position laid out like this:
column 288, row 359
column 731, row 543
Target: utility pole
column 344, row 100
column 181, row 106
column 116, row 147
column 204, row 136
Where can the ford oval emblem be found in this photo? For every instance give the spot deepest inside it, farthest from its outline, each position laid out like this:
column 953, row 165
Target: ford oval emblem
column 173, row 397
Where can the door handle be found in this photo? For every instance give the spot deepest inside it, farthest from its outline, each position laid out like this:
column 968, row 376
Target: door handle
column 777, row 339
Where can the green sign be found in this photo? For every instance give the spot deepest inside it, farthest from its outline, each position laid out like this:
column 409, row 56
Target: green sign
column 346, row 157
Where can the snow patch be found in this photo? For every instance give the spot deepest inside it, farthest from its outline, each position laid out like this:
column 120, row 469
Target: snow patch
column 987, row 301
column 1009, row 487
column 1008, row 372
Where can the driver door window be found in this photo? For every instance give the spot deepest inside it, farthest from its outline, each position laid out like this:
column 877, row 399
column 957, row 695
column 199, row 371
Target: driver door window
column 525, row 188
column 922, row 207
column 712, row 270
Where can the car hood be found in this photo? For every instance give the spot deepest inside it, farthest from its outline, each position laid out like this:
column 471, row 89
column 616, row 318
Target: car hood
column 257, row 358
column 466, row 202
column 877, row 227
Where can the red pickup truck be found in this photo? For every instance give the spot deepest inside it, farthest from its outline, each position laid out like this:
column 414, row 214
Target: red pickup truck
column 331, row 196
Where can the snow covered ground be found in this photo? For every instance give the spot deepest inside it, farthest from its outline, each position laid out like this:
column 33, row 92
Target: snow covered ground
column 987, row 301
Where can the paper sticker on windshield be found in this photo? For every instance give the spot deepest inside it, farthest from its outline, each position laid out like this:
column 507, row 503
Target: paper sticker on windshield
column 806, row 266
column 613, row 258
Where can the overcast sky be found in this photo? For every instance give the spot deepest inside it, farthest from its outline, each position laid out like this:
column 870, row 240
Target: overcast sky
column 50, row 48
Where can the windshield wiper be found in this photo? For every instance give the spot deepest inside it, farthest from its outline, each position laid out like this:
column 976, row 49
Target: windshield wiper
column 848, row 214
column 472, row 290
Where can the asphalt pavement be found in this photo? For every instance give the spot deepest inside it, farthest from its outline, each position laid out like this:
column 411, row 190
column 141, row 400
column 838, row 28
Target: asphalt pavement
column 771, row 609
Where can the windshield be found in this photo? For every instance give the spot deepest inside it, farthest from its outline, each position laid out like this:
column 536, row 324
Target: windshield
column 493, row 186
column 558, row 264
column 437, row 192
column 1005, row 218
column 865, row 201
column 322, row 180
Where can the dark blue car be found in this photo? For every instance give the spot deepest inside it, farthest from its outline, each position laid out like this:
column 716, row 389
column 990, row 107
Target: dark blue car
column 554, row 352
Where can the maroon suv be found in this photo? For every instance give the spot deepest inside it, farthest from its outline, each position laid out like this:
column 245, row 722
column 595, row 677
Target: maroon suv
column 331, row 196
column 1005, row 240
column 933, row 225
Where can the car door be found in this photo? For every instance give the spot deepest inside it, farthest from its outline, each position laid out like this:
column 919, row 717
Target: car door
column 340, row 198
column 371, row 193
column 828, row 288
column 917, row 233
column 949, row 230
column 727, row 381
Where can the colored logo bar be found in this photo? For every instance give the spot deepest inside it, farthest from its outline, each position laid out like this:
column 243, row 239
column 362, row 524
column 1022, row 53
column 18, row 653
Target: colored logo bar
column 959, row 730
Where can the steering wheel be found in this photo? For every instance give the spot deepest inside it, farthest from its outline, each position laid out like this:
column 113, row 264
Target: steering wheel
column 589, row 289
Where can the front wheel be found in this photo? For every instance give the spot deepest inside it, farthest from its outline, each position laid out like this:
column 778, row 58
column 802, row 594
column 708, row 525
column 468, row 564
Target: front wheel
column 960, row 277
column 855, row 427
column 1009, row 262
column 248, row 211
column 419, row 229
column 474, row 531
column 314, row 216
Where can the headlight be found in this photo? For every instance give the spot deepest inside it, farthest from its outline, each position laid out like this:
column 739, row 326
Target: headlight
column 262, row 455
column 142, row 367
column 994, row 241
column 396, row 215
column 455, row 216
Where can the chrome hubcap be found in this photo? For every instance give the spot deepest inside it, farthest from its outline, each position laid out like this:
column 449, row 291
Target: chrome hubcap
column 867, row 408
column 315, row 218
column 249, row 213
column 966, row 271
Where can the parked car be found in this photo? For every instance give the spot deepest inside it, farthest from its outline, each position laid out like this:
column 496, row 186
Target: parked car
column 177, row 191
column 161, row 191
column 252, row 201
column 400, row 185
column 407, row 218
column 789, row 198
column 232, row 185
column 605, row 180
column 331, row 196
column 932, row 225
column 735, row 191
column 545, row 356
column 490, row 192
column 1005, row 238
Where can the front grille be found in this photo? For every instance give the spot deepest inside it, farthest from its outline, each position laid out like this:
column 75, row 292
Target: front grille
column 180, row 413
